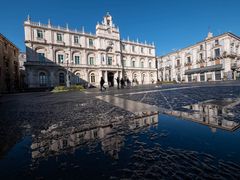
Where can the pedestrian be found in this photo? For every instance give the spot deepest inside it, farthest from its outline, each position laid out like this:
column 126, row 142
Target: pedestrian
column 118, row 82
column 128, row 83
column 102, row 84
column 122, row 83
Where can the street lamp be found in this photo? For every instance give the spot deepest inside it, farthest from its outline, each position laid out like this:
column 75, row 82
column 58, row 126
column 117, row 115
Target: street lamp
column 67, row 78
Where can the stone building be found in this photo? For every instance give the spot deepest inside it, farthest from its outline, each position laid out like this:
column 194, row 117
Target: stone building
column 213, row 59
column 9, row 66
column 22, row 59
column 57, row 55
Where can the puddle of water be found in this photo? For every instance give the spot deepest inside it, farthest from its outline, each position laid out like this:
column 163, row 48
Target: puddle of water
column 148, row 146
column 214, row 113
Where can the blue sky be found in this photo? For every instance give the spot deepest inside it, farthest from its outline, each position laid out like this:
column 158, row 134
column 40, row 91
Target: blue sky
column 171, row 24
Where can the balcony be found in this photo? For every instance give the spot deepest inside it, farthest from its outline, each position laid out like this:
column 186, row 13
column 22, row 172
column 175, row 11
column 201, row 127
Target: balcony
column 199, row 61
column 177, row 65
column 202, row 65
column 188, row 64
column 224, row 55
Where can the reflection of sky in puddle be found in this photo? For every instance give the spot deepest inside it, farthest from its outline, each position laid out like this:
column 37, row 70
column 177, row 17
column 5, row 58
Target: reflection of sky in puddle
column 150, row 146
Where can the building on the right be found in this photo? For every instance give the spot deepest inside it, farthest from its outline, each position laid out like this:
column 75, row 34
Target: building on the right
column 213, row 59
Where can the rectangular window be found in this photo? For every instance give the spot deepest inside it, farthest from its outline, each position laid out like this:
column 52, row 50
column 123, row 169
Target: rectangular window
column 216, row 42
column 188, row 59
column 217, row 52
column 109, row 62
column 141, row 50
column 201, row 47
column 201, row 56
column 77, row 59
column 189, row 78
column 178, row 62
column 76, row 39
column 60, row 58
column 124, row 63
column 59, row 37
column 217, row 75
column 133, row 48
column 91, row 62
column 150, row 51
column 39, row 34
column 41, row 57
column 90, row 42
column 202, row 77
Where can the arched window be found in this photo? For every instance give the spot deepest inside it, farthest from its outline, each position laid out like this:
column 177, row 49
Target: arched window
column 92, row 78
column 133, row 63
column 60, row 58
column 142, row 64
column 150, row 64
column 61, row 79
column 77, row 59
column 91, row 59
column 42, row 79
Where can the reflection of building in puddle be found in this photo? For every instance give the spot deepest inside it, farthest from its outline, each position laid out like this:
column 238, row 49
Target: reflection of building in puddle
column 58, row 139
column 214, row 113
column 144, row 119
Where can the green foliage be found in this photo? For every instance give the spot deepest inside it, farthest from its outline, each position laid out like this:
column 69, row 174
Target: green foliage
column 76, row 88
column 58, row 89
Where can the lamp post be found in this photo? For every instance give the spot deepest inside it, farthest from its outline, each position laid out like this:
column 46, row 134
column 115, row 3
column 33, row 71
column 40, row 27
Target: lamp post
column 67, row 78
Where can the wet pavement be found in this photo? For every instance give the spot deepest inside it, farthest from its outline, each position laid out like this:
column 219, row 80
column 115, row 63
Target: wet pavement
column 149, row 132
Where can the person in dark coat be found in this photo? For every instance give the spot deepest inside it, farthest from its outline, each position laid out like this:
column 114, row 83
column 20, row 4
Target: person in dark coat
column 102, row 84
column 128, row 83
column 118, row 82
column 122, row 83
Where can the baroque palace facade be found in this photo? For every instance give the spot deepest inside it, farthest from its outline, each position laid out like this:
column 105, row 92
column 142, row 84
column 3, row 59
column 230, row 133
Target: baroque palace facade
column 213, row 59
column 57, row 55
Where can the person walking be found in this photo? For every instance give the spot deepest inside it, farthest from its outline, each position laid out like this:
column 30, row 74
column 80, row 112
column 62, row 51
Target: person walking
column 128, row 83
column 122, row 83
column 118, row 82
column 102, row 84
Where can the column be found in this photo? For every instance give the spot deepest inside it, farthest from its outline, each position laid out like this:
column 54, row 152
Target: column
column 105, row 77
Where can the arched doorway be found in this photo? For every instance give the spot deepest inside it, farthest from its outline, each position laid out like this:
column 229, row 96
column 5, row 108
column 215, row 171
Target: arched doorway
column 110, row 76
column 42, row 79
column 92, row 78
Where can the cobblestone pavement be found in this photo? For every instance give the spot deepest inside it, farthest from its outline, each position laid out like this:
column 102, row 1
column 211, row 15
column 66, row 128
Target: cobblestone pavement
column 70, row 133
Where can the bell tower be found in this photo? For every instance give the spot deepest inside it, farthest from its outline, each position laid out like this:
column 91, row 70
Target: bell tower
column 107, row 20
column 107, row 28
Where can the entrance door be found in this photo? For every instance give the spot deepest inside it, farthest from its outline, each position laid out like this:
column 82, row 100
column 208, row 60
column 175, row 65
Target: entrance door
column 110, row 76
